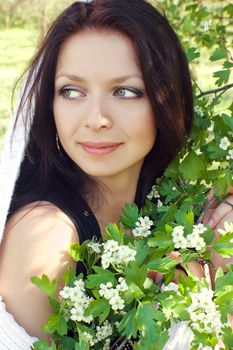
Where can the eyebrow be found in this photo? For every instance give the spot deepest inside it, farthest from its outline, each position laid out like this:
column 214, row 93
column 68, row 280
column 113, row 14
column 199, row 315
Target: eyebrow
column 74, row 77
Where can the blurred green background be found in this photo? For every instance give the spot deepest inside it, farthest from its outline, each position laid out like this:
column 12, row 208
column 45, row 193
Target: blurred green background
column 22, row 25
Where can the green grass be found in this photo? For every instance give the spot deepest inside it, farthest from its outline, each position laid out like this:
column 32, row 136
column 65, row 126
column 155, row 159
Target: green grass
column 16, row 47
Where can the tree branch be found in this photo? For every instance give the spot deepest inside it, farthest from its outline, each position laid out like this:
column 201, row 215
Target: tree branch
column 205, row 209
column 214, row 91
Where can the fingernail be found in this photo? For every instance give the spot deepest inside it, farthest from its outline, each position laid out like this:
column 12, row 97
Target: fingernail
column 210, row 222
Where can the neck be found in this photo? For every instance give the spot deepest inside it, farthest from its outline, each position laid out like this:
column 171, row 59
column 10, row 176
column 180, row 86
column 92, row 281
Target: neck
column 114, row 194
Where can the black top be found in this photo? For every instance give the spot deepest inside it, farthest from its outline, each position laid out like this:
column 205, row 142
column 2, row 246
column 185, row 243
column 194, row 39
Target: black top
column 84, row 221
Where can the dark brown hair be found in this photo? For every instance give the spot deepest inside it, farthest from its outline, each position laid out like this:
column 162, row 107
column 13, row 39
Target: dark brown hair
column 167, row 80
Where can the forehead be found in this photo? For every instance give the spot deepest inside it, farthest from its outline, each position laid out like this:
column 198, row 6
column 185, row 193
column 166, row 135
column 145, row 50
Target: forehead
column 93, row 51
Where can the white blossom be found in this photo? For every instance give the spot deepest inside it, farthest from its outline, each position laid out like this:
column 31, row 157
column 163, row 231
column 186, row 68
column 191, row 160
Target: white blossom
column 178, row 237
column 211, row 127
column 65, row 292
column 117, row 303
column 77, row 301
column 95, row 246
column 113, row 294
column 224, row 143
column 206, row 25
column 230, row 154
column 143, row 226
column 153, row 193
column 192, row 240
column 215, row 165
column 228, row 228
column 159, row 203
column 199, row 228
column 204, row 313
column 198, row 111
column 116, row 254
column 210, row 137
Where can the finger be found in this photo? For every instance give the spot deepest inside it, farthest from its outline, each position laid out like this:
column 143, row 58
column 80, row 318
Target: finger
column 221, row 212
column 194, row 267
column 156, row 276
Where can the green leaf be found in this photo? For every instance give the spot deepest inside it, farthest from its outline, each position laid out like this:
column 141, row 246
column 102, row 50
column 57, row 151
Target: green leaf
column 101, row 276
column 129, row 215
column 43, row 345
column 74, row 251
column 225, row 298
column 56, row 323
column 224, row 245
column 114, row 232
column 135, row 273
column 164, row 265
column 100, row 308
column 127, row 326
column 224, row 280
column 215, row 152
column 67, row 343
column 55, row 304
column 228, row 337
column 160, row 240
column 145, row 320
column 219, row 53
column 83, row 342
column 222, row 76
column 228, row 120
column 188, row 256
column 47, row 286
column 133, row 293
column 223, row 182
column 142, row 252
column 192, row 166
column 192, row 53
column 62, row 326
column 167, row 217
column 69, row 277
column 185, row 219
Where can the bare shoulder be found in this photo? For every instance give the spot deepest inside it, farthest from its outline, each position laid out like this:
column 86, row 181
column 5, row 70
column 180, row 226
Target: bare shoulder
column 36, row 240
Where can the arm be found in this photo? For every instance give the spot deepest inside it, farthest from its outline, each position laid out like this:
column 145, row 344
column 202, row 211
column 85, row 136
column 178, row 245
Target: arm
column 36, row 242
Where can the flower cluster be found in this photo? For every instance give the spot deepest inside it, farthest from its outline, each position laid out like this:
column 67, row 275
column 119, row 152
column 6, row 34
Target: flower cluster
column 102, row 334
column 77, row 301
column 155, row 194
column 224, row 143
column 192, row 240
column 118, row 255
column 113, row 294
column 203, row 312
column 143, row 226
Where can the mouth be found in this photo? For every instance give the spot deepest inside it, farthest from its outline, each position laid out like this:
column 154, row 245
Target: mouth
column 99, row 148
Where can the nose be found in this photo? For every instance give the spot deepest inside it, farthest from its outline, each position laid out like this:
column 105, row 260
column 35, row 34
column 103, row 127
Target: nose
column 98, row 114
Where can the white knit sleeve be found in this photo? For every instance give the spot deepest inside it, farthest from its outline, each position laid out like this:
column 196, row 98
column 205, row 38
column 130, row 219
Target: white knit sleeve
column 12, row 335
column 180, row 338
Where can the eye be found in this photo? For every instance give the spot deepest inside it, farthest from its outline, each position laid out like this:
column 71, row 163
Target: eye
column 128, row 93
column 70, row 93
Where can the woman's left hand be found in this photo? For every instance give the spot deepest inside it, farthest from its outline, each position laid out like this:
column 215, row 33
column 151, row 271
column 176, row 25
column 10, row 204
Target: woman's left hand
column 215, row 218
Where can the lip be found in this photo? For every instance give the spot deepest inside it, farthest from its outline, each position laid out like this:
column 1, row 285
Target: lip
column 100, row 148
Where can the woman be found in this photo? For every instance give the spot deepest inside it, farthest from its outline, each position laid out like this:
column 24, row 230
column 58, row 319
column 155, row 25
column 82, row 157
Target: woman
column 107, row 104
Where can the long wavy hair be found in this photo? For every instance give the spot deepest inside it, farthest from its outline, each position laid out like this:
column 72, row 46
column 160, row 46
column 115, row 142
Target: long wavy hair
column 166, row 77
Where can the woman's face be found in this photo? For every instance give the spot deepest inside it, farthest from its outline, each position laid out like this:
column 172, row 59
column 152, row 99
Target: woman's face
column 103, row 116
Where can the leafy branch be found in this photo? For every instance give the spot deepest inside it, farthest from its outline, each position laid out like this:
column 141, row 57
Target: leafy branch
column 215, row 91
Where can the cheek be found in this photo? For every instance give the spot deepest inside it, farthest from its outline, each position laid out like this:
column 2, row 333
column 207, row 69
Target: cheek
column 64, row 121
column 144, row 129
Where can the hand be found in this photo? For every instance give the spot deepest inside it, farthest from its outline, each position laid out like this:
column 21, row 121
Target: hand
column 195, row 268
column 215, row 218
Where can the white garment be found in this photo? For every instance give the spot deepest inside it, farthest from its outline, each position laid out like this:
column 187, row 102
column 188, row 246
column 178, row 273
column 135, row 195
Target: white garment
column 14, row 337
